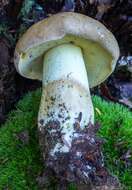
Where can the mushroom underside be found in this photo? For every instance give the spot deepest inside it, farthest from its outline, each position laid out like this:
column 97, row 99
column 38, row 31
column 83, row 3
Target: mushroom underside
column 99, row 62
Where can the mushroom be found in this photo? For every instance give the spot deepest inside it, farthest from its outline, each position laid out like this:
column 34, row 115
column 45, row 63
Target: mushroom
column 70, row 53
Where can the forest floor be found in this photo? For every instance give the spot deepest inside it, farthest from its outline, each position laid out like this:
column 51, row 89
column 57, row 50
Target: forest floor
column 16, row 16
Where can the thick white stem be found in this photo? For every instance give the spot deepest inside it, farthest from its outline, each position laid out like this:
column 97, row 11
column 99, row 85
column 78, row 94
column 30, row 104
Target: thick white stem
column 65, row 95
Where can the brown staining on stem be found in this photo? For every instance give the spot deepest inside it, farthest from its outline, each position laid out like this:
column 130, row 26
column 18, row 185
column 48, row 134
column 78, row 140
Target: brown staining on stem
column 57, row 101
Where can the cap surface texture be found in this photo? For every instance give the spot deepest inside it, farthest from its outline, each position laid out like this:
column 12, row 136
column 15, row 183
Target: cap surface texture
column 99, row 46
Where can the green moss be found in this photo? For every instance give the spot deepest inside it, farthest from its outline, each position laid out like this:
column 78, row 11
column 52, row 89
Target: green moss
column 20, row 162
column 116, row 129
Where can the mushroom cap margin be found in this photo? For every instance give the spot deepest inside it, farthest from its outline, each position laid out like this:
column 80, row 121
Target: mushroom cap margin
column 92, row 36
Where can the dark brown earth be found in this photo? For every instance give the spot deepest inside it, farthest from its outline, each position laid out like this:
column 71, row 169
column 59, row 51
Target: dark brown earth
column 83, row 164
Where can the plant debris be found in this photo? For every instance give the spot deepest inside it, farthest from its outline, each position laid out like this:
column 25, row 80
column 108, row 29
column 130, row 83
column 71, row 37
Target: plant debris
column 23, row 136
column 82, row 164
column 7, row 79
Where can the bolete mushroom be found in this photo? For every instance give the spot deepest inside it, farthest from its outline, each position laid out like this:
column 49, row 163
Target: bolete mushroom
column 70, row 53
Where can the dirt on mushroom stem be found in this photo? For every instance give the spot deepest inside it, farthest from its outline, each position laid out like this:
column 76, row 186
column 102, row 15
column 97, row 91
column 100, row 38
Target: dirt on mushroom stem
column 82, row 164
column 65, row 93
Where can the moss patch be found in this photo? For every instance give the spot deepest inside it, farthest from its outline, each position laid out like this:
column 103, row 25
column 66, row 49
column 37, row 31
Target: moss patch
column 116, row 130
column 20, row 160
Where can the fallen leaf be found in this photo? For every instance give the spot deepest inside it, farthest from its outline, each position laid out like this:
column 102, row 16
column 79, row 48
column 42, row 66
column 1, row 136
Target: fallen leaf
column 126, row 102
column 101, row 9
column 105, row 91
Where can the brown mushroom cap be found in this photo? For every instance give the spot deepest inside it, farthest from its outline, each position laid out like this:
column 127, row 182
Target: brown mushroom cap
column 99, row 46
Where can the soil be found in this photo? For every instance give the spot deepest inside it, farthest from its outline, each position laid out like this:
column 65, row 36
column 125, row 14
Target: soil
column 82, row 164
